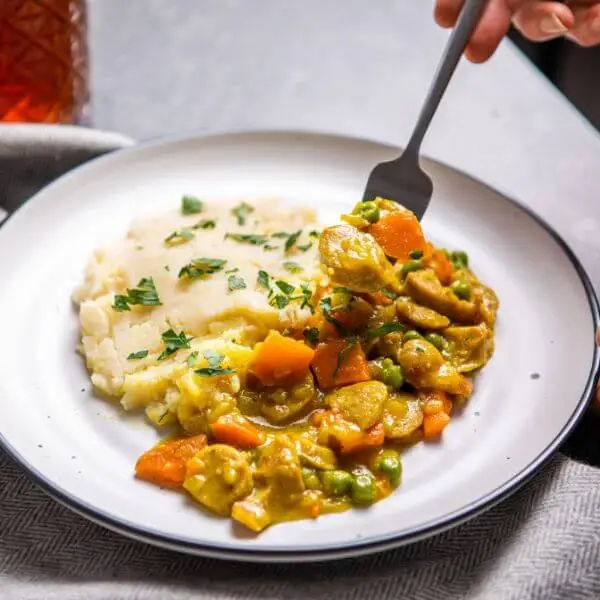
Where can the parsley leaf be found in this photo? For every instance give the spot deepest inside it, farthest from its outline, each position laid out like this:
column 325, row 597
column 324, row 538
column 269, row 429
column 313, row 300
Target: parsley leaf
column 199, row 267
column 121, row 303
column 311, row 335
column 291, row 241
column 247, row 238
column 190, row 205
column 284, row 286
column 389, row 294
column 343, row 355
column 313, row 234
column 138, row 355
column 263, row 280
column 292, row 267
column 144, row 294
column 305, row 247
column 214, row 368
column 268, row 247
column 280, row 301
column 173, row 341
column 281, row 235
column 191, row 359
column 205, row 224
column 326, row 306
column 234, row 270
column 241, row 212
column 235, row 282
column 179, row 236
column 385, row 329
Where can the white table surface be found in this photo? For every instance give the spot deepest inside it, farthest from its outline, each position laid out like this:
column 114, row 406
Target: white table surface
column 351, row 67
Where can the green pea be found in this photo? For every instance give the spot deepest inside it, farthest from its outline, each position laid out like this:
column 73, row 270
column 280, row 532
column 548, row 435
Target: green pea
column 412, row 265
column 311, row 479
column 363, row 489
column 461, row 288
column 336, row 483
column 368, row 211
column 390, row 465
column 435, row 339
column 391, row 374
column 416, row 254
column 460, row 259
column 411, row 334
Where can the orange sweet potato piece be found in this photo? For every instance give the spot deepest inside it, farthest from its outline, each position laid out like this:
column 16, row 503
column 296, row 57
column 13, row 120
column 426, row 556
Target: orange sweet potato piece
column 337, row 362
column 399, row 234
column 281, row 359
column 165, row 464
column 434, row 425
column 441, row 265
column 236, row 432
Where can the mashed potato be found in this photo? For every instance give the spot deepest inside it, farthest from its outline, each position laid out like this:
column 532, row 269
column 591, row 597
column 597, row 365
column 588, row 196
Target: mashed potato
column 211, row 278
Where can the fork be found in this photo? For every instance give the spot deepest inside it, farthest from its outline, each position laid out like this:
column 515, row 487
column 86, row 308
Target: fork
column 402, row 179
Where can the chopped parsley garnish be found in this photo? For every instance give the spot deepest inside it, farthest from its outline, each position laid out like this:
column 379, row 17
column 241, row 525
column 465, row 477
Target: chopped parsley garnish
column 313, row 234
column 173, row 341
column 291, row 241
column 235, row 282
column 326, row 306
column 280, row 301
column 179, row 236
column 205, row 224
column 389, row 293
column 167, row 268
column 138, row 355
column 144, row 294
column 341, row 290
column 234, row 270
column 385, row 329
column 247, row 238
column 263, row 280
column 214, row 368
column 241, row 212
column 281, row 235
column 416, row 254
column 306, row 297
column 191, row 359
column 311, row 335
column 343, row 355
column 285, row 287
column 268, row 247
column 292, row 267
column 200, row 267
column 190, row 205
column 304, row 247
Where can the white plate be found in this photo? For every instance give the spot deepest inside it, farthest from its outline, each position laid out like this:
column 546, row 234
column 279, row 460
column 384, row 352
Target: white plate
column 81, row 449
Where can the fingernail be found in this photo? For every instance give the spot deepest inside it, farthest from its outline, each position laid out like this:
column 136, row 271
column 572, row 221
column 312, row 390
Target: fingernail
column 552, row 25
column 595, row 25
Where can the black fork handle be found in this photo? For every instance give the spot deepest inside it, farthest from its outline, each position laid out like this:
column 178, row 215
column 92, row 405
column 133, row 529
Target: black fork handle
column 467, row 20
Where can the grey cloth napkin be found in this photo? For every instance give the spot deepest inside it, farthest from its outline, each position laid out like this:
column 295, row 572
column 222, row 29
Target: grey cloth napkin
column 542, row 543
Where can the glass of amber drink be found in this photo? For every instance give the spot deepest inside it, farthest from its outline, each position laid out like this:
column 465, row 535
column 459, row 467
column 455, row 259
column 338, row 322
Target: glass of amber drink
column 44, row 61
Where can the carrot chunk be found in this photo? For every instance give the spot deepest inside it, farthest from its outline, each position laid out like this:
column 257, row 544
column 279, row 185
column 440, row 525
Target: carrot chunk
column 338, row 362
column 281, row 359
column 236, row 432
column 165, row 464
column 399, row 234
column 434, row 425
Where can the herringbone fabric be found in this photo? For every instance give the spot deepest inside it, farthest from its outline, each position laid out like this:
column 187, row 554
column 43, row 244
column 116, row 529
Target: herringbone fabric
column 542, row 543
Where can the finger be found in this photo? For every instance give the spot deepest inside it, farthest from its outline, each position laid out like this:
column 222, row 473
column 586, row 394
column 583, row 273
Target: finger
column 586, row 29
column 493, row 26
column 541, row 21
column 598, row 337
column 446, row 12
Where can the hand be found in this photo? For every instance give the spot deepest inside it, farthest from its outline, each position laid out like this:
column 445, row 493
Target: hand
column 538, row 20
